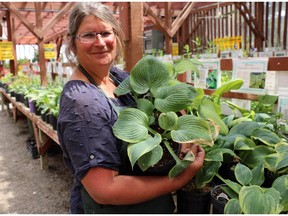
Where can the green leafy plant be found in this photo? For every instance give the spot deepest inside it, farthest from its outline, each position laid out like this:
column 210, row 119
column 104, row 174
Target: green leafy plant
column 158, row 120
column 208, row 107
column 260, row 172
column 247, row 195
column 199, row 47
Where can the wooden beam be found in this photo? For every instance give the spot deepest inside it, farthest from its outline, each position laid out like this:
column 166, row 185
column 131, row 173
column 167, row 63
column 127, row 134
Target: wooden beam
column 182, row 17
column 285, row 44
column 134, row 47
column 56, row 18
column 252, row 23
column 29, row 25
column 11, row 37
column 124, row 19
column 41, row 52
column 156, row 21
column 168, row 23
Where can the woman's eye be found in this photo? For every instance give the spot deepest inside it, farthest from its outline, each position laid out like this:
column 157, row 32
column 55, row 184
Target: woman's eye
column 106, row 34
column 89, row 35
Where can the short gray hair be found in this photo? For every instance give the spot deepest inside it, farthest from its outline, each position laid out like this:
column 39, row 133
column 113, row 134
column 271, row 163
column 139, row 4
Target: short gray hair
column 99, row 10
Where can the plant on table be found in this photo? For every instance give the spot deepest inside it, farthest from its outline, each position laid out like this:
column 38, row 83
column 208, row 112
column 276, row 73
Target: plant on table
column 258, row 185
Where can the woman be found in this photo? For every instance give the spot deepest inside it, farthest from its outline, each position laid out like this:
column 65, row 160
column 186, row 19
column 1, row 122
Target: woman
column 104, row 183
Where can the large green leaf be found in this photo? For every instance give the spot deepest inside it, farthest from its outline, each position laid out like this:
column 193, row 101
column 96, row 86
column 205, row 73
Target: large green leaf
column 147, row 74
column 276, row 162
column 131, row 125
column 217, row 154
column 266, row 136
column 124, row 87
column 228, row 86
column 281, row 185
column 244, row 128
column 256, row 156
column 181, row 165
column 258, row 175
column 187, row 65
column 242, row 143
column 207, row 173
column 168, row 121
column 137, row 150
column 256, row 200
column 145, row 105
column 192, row 129
column 170, row 68
column 243, row 174
column 174, row 98
column 150, row 158
column 208, row 110
column 232, row 207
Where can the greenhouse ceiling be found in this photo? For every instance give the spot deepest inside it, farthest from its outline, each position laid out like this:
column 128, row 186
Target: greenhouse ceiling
column 23, row 18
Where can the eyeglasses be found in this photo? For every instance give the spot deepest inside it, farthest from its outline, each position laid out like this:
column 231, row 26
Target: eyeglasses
column 90, row 37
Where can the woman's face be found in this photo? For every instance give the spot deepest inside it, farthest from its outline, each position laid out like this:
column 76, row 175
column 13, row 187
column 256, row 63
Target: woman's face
column 101, row 52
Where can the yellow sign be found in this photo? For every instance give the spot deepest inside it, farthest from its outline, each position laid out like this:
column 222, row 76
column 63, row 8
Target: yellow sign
column 228, row 43
column 175, row 49
column 50, row 51
column 6, row 51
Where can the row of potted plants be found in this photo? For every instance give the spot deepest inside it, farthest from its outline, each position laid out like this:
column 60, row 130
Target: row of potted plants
column 247, row 153
column 43, row 101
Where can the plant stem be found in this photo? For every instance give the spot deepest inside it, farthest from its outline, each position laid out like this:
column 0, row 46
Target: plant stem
column 167, row 144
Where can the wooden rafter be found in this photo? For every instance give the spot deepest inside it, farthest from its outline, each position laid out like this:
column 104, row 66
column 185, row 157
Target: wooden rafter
column 26, row 22
column 252, row 23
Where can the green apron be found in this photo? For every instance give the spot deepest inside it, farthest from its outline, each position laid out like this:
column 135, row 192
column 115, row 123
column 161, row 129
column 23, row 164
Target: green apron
column 160, row 205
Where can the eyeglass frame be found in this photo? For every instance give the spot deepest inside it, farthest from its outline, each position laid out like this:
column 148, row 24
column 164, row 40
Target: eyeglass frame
column 78, row 37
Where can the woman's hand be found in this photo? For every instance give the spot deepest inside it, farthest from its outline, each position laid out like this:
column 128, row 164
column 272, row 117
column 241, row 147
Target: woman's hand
column 195, row 166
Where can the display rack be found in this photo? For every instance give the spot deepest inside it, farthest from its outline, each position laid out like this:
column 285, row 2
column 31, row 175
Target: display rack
column 43, row 132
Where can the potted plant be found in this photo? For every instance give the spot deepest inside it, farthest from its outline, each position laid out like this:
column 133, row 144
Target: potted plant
column 158, row 123
column 195, row 196
column 258, row 183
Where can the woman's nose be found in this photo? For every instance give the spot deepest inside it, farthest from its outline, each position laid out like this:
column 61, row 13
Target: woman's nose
column 99, row 40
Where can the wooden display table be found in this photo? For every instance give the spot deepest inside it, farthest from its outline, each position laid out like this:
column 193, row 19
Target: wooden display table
column 43, row 132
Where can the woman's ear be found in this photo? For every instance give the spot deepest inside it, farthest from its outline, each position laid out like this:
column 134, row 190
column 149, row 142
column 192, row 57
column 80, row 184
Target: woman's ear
column 73, row 49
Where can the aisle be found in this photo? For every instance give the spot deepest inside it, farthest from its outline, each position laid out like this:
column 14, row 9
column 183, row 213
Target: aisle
column 24, row 187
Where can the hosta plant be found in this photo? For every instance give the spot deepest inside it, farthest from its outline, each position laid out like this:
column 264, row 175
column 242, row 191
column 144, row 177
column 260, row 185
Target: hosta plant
column 161, row 116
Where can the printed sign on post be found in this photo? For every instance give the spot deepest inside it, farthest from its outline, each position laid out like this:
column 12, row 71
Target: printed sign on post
column 50, row 51
column 6, row 51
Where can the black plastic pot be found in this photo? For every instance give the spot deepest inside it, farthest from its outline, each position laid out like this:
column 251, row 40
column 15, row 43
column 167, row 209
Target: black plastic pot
column 32, row 147
column 17, row 97
column 26, row 102
column 53, row 121
column 218, row 199
column 193, row 202
column 166, row 163
column 38, row 110
column 43, row 115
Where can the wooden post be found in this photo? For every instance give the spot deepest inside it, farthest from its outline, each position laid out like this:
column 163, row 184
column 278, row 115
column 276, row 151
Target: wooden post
column 260, row 21
column 134, row 43
column 168, row 22
column 10, row 30
column 41, row 56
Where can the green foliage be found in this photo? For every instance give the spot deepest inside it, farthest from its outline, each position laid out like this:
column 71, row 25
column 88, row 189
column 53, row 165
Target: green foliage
column 157, row 118
column 30, row 86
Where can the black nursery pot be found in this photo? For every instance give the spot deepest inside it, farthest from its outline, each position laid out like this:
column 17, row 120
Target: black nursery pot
column 218, row 199
column 17, row 97
column 193, row 203
column 43, row 116
column 166, row 163
column 38, row 110
column 53, row 121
